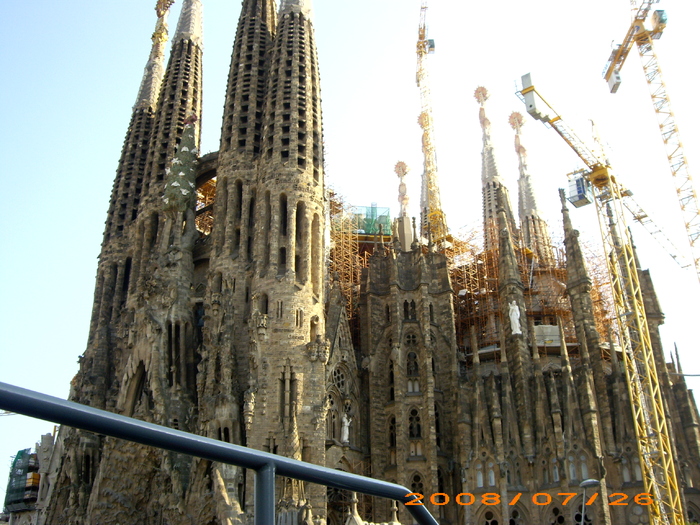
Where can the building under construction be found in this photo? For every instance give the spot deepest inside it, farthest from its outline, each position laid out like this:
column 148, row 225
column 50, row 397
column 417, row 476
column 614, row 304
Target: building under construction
column 236, row 299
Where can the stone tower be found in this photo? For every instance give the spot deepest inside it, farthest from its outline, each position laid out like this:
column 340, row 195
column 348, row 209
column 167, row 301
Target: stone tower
column 491, row 180
column 408, row 336
column 534, row 229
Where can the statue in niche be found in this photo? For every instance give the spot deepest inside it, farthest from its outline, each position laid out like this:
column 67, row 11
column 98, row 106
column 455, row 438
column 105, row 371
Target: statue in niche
column 345, row 428
column 514, row 314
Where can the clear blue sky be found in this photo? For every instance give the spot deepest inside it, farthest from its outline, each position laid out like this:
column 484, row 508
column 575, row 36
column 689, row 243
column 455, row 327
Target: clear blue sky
column 71, row 71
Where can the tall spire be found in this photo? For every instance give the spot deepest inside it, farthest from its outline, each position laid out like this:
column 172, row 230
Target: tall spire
column 241, row 128
column 514, row 332
column 126, row 192
column 433, row 220
column 489, row 169
column 189, row 26
column 180, row 96
column 492, row 184
column 535, row 233
column 578, row 288
column 155, row 67
column 527, row 206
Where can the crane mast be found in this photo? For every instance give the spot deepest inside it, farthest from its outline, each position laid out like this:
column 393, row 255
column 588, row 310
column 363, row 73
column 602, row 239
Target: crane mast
column 643, row 38
column 651, row 425
column 433, row 222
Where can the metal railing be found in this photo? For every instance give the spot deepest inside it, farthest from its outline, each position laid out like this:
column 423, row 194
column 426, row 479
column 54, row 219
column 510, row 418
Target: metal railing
column 265, row 465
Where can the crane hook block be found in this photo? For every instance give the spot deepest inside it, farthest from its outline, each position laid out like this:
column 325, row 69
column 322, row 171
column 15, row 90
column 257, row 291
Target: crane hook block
column 530, row 96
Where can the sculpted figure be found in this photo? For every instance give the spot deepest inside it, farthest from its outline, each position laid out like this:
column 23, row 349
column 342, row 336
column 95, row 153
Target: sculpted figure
column 345, row 429
column 514, row 314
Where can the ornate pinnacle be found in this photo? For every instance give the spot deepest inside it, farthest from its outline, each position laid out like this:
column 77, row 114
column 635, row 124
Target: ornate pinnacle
column 162, row 6
column 401, row 170
column 516, row 121
column 160, row 35
column 481, row 95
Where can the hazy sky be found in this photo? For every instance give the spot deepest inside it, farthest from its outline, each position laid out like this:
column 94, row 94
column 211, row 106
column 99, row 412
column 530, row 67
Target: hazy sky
column 71, row 72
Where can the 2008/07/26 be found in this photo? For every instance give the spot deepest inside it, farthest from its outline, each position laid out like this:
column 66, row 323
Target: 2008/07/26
column 540, row 498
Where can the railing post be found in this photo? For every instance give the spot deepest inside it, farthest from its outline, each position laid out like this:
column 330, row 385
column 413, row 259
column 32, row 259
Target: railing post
column 265, row 495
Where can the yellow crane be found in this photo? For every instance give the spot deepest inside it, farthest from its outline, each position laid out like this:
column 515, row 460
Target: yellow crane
column 651, row 425
column 641, row 36
column 433, row 222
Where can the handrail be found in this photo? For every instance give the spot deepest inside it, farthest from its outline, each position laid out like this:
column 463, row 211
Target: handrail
column 265, row 464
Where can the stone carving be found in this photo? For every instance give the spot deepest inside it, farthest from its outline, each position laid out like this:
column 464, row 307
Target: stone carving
column 514, row 314
column 248, row 408
column 318, row 350
column 345, row 429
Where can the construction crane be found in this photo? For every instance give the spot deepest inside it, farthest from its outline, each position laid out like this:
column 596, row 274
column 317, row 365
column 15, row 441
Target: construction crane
column 651, row 425
column 433, row 222
column 638, row 34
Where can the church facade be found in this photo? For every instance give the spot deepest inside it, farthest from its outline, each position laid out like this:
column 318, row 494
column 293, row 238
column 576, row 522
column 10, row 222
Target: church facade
column 218, row 315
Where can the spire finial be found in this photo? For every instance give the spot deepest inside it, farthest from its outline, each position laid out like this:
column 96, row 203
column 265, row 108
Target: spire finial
column 402, row 170
column 155, row 68
column 482, row 95
column 678, row 359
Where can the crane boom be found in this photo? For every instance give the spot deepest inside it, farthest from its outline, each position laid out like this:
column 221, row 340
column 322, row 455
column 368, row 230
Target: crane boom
column 683, row 181
column 597, row 167
column 651, row 426
column 433, row 220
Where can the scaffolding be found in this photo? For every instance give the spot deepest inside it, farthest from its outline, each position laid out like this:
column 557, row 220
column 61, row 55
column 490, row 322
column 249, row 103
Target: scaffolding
column 23, row 483
column 204, row 209
column 346, row 261
column 478, row 318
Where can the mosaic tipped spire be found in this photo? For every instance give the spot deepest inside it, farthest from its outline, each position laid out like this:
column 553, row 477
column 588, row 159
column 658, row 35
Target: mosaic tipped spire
column 489, row 168
column 527, row 205
column 155, row 67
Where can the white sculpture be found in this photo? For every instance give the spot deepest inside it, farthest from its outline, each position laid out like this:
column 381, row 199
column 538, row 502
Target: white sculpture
column 514, row 314
column 345, row 429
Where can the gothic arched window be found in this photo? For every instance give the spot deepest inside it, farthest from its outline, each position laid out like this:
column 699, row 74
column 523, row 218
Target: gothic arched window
column 556, row 517
column 332, row 419
column 412, row 372
column 584, row 466
column 417, row 484
column 339, row 379
column 438, row 433
column 412, row 364
column 392, row 441
column 414, row 430
column 572, row 468
column 626, row 475
column 391, row 380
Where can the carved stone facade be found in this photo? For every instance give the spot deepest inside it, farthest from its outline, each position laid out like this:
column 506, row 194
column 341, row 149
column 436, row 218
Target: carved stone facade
column 236, row 331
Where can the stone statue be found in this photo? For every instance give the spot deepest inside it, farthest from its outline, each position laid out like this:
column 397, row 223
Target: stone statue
column 345, row 429
column 514, row 314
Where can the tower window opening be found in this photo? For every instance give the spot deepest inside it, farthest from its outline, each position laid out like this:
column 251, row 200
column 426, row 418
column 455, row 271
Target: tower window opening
column 414, row 428
column 282, row 260
column 283, row 214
